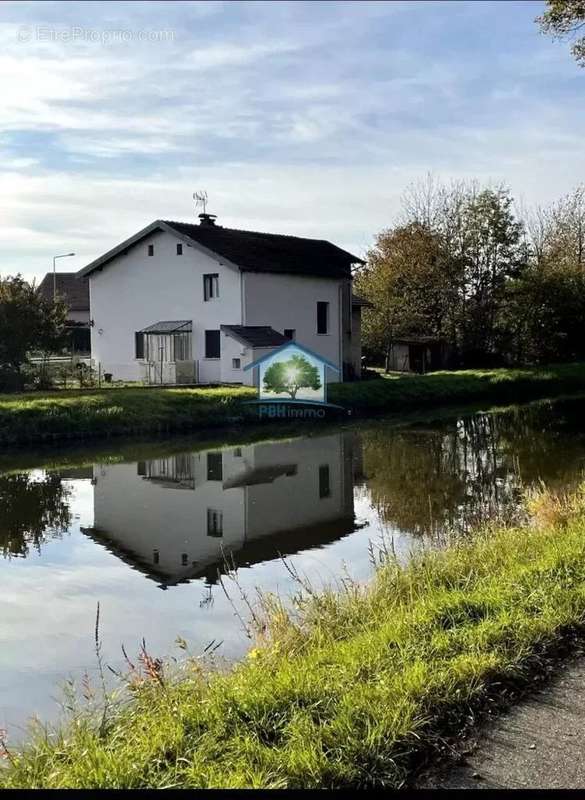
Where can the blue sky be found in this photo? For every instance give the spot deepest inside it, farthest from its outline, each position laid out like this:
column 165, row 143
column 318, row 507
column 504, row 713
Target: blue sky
column 304, row 118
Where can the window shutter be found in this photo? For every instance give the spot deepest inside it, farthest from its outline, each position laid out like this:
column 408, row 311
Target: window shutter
column 139, row 345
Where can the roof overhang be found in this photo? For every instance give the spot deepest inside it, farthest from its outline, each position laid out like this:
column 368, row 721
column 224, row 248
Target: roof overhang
column 238, row 332
column 170, row 326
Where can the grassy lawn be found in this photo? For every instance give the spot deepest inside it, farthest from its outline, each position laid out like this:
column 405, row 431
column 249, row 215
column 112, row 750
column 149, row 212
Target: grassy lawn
column 107, row 412
column 398, row 392
column 348, row 687
column 83, row 413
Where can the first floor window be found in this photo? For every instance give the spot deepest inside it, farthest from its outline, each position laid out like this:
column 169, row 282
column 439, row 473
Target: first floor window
column 214, row 522
column 322, row 317
column 138, row 345
column 210, row 286
column 324, row 484
column 214, row 467
column 212, row 348
column 236, row 363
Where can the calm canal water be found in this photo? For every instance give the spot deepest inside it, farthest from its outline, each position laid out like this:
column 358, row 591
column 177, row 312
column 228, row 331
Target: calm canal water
column 145, row 533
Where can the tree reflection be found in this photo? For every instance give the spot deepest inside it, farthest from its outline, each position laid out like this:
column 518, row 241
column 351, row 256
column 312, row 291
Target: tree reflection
column 460, row 473
column 31, row 511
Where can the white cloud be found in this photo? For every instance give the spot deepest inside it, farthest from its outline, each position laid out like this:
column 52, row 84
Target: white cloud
column 295, row 117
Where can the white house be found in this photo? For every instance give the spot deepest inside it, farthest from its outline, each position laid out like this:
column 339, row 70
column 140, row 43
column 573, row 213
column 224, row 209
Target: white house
column 185, row 303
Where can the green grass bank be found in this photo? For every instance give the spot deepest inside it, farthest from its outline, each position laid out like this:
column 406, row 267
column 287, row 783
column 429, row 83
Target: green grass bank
column 79, row 414
column 348, row 687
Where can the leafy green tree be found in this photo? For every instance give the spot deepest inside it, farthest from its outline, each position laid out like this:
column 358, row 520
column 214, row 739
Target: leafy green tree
column 32, row 511
column 443, row 271
column 492, row 247
column 28, row 323
column 291, row 375
column 543, row 317
column 559, row 235
column 563, row 19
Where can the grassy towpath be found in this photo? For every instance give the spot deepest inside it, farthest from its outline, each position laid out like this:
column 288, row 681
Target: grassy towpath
column 78, row 414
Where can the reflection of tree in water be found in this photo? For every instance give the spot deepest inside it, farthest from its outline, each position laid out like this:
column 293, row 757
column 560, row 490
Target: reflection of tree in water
column 31, row 511
column 462, row 472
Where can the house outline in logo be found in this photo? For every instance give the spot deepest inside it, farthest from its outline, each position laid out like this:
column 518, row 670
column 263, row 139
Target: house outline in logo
column 311, row 366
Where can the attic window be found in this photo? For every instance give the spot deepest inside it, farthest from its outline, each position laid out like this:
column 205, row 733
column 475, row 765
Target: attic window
column 179, row 249
column 150, row 249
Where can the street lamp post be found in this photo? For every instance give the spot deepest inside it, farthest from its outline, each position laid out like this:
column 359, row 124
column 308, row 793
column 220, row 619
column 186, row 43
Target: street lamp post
column 64, row 255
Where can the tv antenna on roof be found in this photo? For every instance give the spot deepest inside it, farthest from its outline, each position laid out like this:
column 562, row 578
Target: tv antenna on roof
column 201, row 200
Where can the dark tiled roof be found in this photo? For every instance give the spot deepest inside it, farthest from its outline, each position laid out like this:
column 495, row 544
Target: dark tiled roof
column 170, row 326
column 271, row 252
column 255, row 335
column 360, row 301
column 73, row 290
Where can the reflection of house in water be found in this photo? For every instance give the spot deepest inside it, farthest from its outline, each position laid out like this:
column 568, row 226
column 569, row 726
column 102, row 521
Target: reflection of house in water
column 178, row 517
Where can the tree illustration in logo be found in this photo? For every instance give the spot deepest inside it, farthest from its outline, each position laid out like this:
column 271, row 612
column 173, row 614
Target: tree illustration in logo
column 291, row 375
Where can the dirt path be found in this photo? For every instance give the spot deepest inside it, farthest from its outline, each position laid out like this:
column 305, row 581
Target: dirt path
column 539, row 744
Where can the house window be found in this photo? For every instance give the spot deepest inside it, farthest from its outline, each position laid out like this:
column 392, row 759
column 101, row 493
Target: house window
column 290, row 333
column 150, row 249
column 179, row 249
column 181, row 347
column 212, row 349
column 324, row 485
column 322, row 317
column 155, row 557
column 184, row 559
column 236, row 363
column 214, row 523
column 237, row 452
column 210, row 286
column 214, row 467
column 141, row 469
column 138, row 345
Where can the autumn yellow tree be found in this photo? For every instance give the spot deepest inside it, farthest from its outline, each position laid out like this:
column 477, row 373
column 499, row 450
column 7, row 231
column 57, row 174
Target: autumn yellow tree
column 412, row 284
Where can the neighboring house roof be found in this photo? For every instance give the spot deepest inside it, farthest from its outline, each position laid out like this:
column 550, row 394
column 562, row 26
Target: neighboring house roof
column 250, row 251
column 418, row 340
column 73, row 290
column 170, row 326
column 360, row 302
column 255, row 335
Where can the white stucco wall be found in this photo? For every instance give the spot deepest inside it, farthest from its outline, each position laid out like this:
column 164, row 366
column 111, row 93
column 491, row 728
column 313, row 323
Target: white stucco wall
column 230, row 349
column 136, row 290
column 290, row 301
